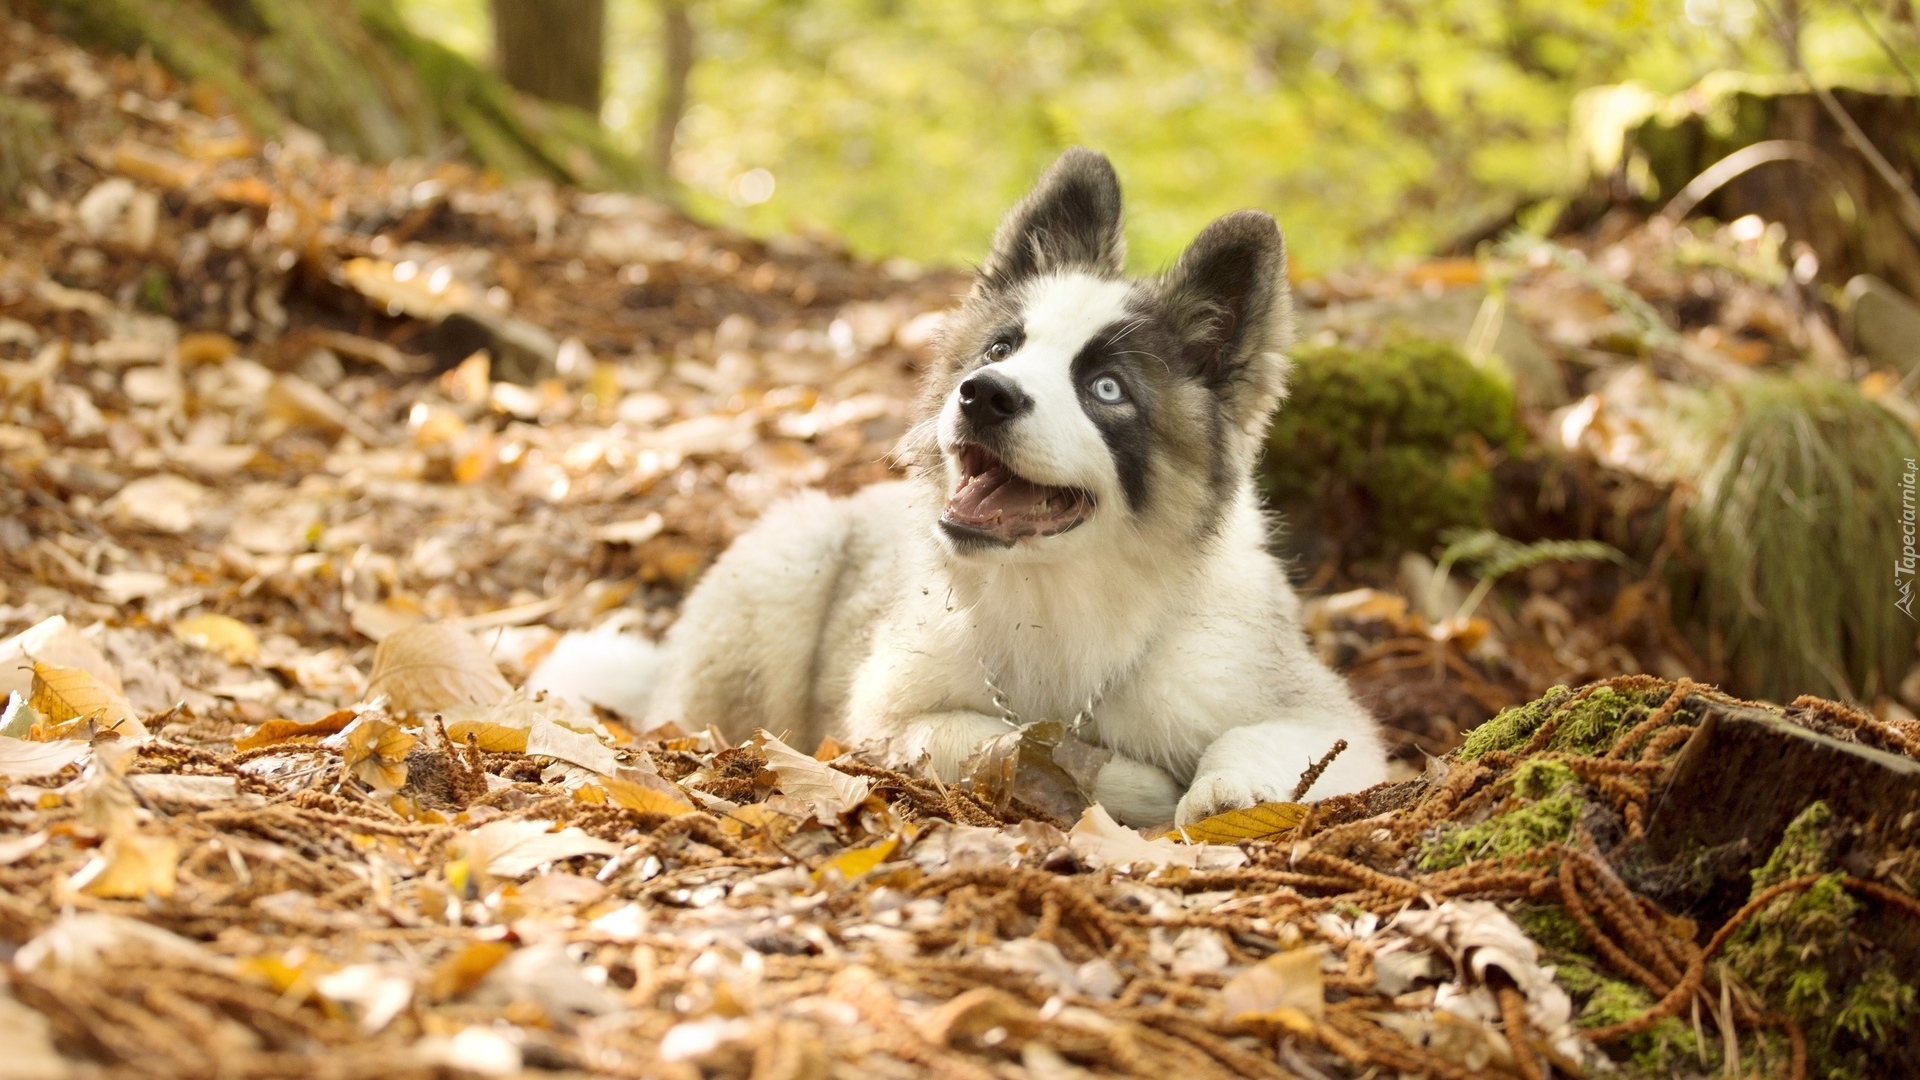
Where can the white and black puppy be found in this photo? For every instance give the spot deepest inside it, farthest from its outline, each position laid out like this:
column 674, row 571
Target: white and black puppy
column 1080, row 537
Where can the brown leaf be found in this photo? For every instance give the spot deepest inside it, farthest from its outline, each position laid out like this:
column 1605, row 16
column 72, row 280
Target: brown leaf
column 62, row 695
column 131, row 866
column 1286, row 987
column 1263, row 822
column 648, row 793
column 434, row 666
column 828, row 790
column 376, row 752
column 463, row 971
column 274, row 731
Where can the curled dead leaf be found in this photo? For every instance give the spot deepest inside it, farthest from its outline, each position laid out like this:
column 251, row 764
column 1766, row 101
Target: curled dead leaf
column 277, row 731
column 433, row 666
column 828, row 790
column 375, row 750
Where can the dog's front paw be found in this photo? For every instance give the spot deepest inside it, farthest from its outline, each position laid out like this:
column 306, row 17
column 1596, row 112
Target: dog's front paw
column 1216, row 793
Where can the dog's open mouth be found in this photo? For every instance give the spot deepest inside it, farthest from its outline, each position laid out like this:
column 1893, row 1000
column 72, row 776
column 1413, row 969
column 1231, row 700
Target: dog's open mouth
column 995, row 504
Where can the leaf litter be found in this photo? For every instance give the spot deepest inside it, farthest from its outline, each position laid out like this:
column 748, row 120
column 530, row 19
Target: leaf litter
column 310, row 463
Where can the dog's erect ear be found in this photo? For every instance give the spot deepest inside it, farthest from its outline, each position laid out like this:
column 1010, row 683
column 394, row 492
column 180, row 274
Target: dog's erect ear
column 1071, row 221
column 1228, row 295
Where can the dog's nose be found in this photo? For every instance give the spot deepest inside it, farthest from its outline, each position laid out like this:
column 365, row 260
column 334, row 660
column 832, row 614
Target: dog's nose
column 987, row 399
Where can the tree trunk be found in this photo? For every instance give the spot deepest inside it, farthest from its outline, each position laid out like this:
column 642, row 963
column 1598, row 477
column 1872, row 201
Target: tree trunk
column 353, row 71
column 676, row 36
column 552, row 49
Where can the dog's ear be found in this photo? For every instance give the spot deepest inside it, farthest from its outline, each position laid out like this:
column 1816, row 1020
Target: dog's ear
column 1070, row 221
column 1229, row 299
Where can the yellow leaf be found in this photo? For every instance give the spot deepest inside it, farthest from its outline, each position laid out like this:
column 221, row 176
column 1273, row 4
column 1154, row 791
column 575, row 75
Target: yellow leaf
column 406, row 289
column 1263, row 822
column 463, row 971
column 828, row 749
column 290, row 975
column 1286, row 987
column 64, row 694
column 646, row 793
column 274, row 731
column 222, row 635
column 432, row 666
column 493, row 738
column 130, row 866
column 758, row 816
column 591, row 794
column 376, row 752
column 857, row 863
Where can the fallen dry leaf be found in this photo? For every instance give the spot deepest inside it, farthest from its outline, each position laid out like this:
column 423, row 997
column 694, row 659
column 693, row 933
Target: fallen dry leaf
column 222, row 635
column 855, row 863
column 1102, row 841
column 462, row 971
column 432, row 666
column 511, row 849
column 374, row 750
column 131, row 866
column 1286, row 987
column 63, row 695
column 548, row 739
column 494, row 738
column 1265, row 821
column 645, row 792
column 275, row 731
column 21, row 759
column 828, row 790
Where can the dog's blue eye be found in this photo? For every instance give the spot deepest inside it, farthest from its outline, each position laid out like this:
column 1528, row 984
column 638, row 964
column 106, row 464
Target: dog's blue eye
column 999, row 350
column 1106, row 388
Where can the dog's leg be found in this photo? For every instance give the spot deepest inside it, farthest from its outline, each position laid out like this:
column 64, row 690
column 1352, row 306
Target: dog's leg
column 1136, row 793
column 947, row 738
column 1262, row 763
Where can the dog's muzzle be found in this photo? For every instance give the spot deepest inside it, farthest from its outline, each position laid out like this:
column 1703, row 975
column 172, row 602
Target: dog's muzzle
column 994, row 505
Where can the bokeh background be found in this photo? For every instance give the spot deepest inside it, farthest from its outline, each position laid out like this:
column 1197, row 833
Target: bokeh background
column 1373, row 129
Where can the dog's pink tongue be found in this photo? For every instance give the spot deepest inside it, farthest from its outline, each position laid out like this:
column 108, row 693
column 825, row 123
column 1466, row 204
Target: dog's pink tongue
column 992, row 496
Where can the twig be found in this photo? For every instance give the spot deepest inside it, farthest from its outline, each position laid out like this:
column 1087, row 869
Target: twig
column 1313, row 773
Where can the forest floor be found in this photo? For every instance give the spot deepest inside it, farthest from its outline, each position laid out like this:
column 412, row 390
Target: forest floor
column 309, row 463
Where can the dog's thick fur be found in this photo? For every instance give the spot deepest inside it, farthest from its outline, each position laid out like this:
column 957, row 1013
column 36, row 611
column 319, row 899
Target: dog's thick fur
column 1150, row 601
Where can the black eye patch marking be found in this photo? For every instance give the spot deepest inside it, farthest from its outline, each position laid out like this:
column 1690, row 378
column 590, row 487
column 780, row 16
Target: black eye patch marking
column 1125, row 426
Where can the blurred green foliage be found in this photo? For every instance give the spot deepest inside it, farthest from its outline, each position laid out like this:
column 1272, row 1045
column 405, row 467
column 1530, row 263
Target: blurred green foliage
column 1387, row 448
column 1370, row 127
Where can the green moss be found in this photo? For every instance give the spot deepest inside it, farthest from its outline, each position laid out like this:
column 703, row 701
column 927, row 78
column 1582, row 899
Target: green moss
column 1669, row 1048
column 1803, row 848
column 1387, row 448
column 1802, row 953
column 1589, row 726
column 1512, row 727
column 1551, row 928
column 1879, row 1007
column 1546, row 802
